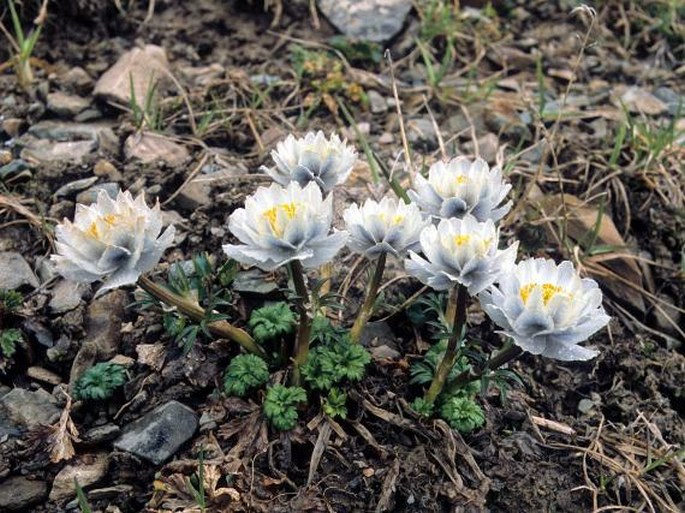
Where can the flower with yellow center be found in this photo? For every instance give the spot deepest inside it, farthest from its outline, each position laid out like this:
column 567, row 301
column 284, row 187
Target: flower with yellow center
column 282, row 224
column 113, row 240
column 547, row 308
column 313, row 158
column 460, row 251
column 460, row 187
column 389, row 226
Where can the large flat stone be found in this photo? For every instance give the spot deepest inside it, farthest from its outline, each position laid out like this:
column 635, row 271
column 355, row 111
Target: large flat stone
column 367, row 20
column 18, row 493
column 15, row 272
column 22, row 409
column 140, row 67
column 158, row 435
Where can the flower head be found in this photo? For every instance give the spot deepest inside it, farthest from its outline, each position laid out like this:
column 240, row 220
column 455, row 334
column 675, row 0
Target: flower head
column 461, row 187
column 390, row 226
column 314, row 158
column 282, row 224
column 547, row 308
column 112, row 240
column 460, row 251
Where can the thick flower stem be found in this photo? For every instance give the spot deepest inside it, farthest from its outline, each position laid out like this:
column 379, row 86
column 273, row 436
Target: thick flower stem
column 302, row 341
column 187, row 307
column 371, row 294
column 506, row 355
column 450, row 356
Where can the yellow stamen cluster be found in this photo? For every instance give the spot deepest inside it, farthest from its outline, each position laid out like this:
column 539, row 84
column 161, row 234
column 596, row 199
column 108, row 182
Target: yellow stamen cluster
column 289, row 209
column 93, row 230
column 548, row 291
column 460, row 240
column 461, row 179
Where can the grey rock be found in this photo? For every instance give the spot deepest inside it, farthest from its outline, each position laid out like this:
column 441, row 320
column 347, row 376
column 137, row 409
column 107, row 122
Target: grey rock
column 100, row 434
column 66, row 105
column 487, row 147
column 12, row 126
column 101, row 132
column 377, row 101
column 141, row 66
column 103, row 335
column 106, row 169
column 45, row 269
column 39, row 332
column 88, row 115
column 253, row 282
column 585, row 405
column 15, row 272
column 18, row 493
column 148, row 147
column 43, row 151
column 67, row 295
column 13, row 168
column 77, row 79
column 77, row 185
column 674, row 101
column 369, row 20
column 420, row 132
column 91, row 195
column 378, row 334
column 160, row 433
column 22, row 409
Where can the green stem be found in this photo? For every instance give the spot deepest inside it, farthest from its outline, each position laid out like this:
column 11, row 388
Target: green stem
column 450, row 356
column 302, row 341
column 190, row 308
column 371, row 294
column 507, row 354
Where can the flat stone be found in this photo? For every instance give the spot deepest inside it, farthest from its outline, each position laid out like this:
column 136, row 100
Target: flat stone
column 12, row 126
column 148, row 147
column 66, row 105
column 421, row 132
column 66, row 295
column 22, row 409
column 253, row 281
column 18, row 493
column 377, row 101
column 160, row 433
column 66, row 131
column 142, row 67
column 487, row 147
column 367, row 20
column 43, row 375
column 77, row 185
column 77, row 79
column 91, row 195
column 639, row 100
column 87, row 470
column 43, row 151
column 104, row 168
column 103, row 332
column 15, row 272
column 100, row 434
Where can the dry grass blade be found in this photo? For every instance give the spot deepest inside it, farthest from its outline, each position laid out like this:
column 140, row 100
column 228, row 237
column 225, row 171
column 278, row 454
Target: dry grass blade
column 16, row 205
column 319, row 449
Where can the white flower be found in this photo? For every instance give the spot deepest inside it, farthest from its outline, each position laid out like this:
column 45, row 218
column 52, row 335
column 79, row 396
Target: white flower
column 314, row 158
column 460, row 251
column 461, row 187
column 282, row 224
column 112, row 240
column 547, row 309
column 390, row 226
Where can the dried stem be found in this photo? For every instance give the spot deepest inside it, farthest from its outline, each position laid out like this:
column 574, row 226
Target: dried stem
column 222, row 328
